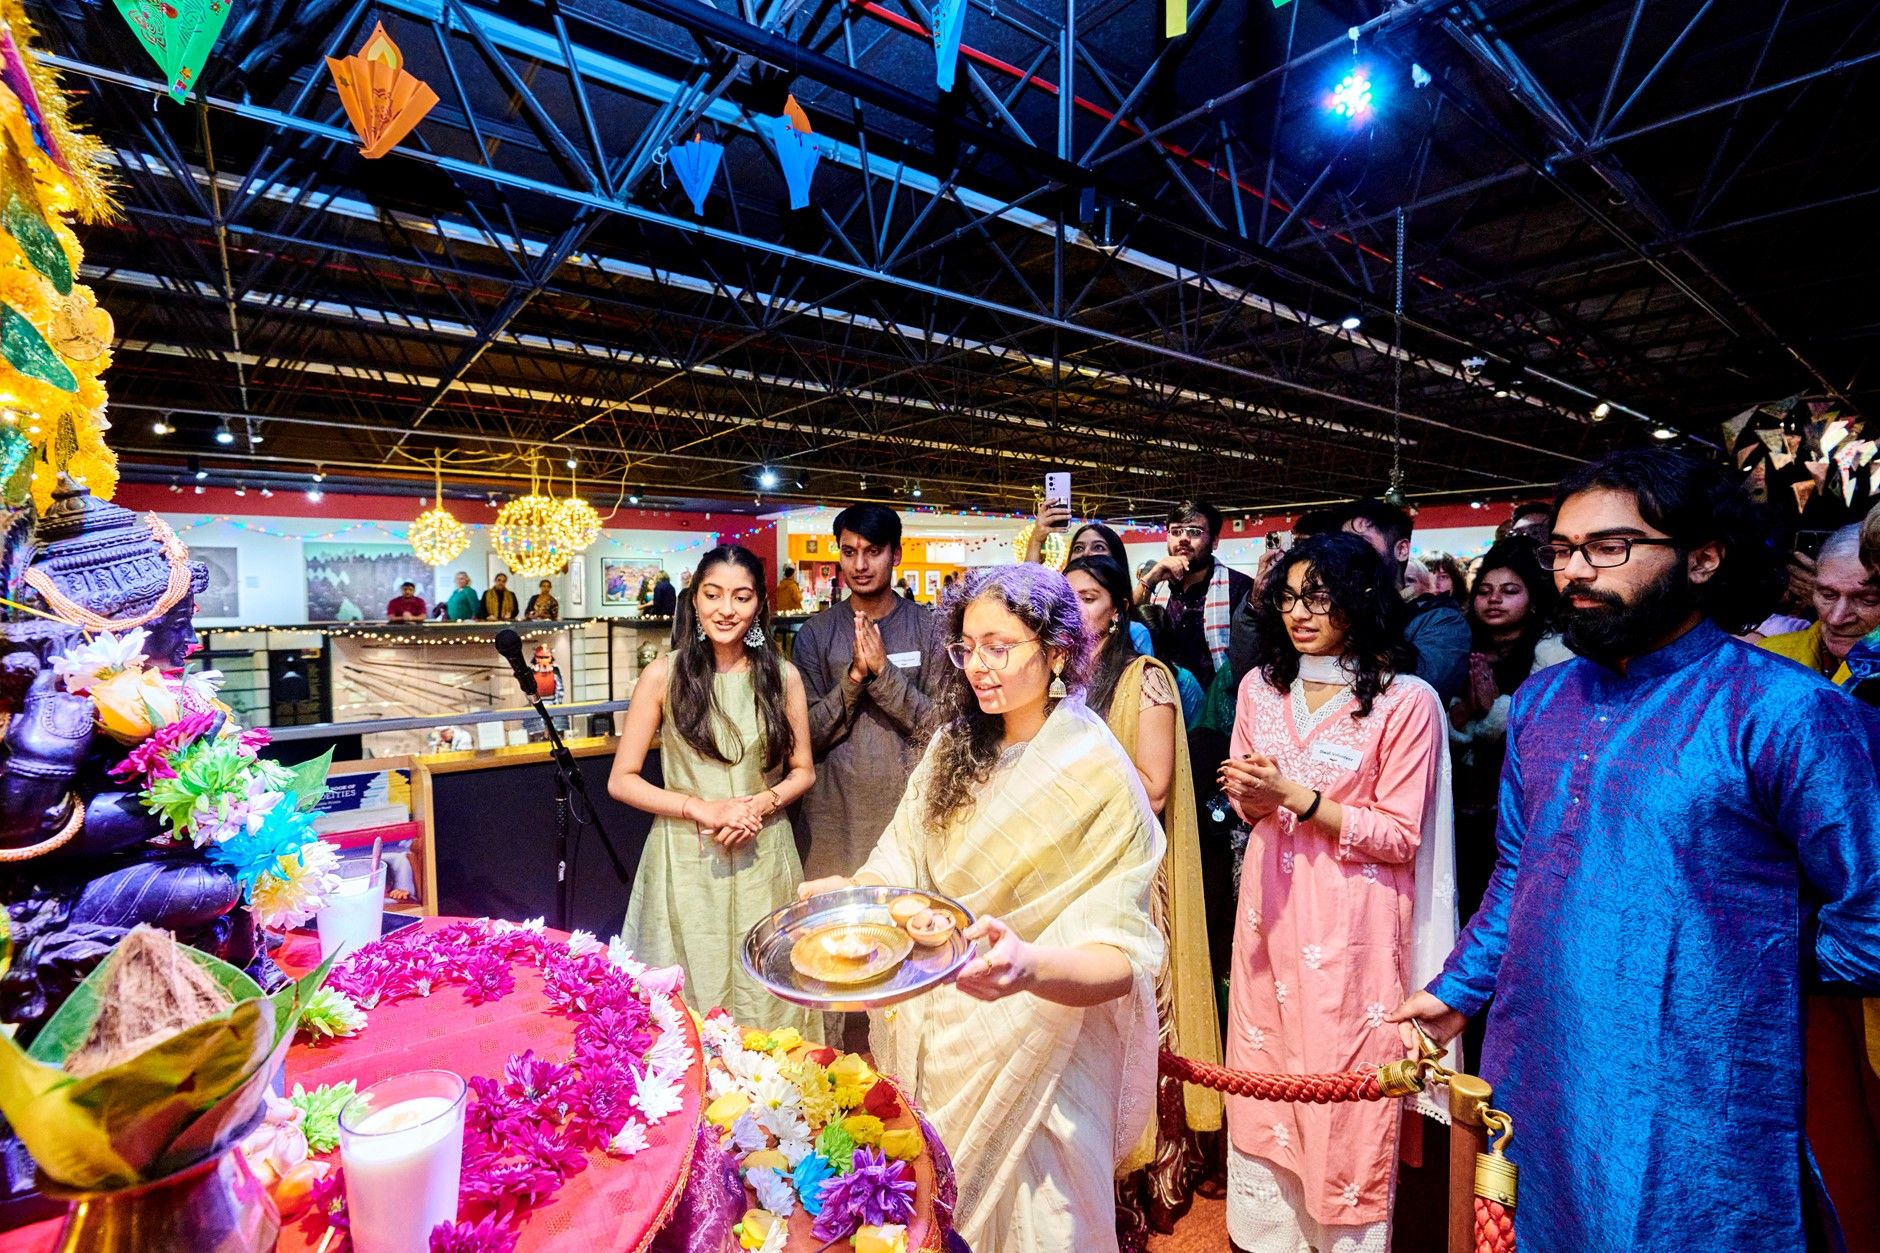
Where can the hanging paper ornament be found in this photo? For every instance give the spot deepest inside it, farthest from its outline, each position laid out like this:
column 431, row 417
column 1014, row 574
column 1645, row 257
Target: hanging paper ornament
column 949, row 23
column 16, row 472
column 797, row 154
column 179, row 34
column 696, row 164
column 37, row 242
column 382, row 100
column 798, row 118
column 80, row 330
column 27, row 351
column 14, row 76
column 1175, row 17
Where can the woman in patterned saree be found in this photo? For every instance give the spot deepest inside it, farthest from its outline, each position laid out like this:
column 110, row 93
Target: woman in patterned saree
column 1037, row 1066
column 1136, row 696
column 1347, row 893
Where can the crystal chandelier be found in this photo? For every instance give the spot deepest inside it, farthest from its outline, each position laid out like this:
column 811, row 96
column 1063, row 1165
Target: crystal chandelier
column 437, row 537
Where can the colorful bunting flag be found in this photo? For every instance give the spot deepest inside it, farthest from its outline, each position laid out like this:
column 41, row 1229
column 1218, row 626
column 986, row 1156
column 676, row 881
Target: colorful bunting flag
column 949, row 23
column 382, row 100
column 797, row 154
column 696, row 164
column 798, row 118
column 1175, row 17
column 179, row 34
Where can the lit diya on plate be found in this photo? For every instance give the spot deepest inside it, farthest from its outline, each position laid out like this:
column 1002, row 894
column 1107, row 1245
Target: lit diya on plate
column 850, row 952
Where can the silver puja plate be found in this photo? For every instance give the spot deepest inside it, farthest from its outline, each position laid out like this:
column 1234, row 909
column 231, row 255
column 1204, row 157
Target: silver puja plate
column 766, row 950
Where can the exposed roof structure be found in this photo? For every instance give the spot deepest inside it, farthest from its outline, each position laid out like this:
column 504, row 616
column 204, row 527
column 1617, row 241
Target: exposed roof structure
column 1104, row 251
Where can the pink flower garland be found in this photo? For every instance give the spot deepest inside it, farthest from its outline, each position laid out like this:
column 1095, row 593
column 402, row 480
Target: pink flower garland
column 528, row 1132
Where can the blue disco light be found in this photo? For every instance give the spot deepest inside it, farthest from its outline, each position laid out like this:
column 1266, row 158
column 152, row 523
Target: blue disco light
column 1351, row 99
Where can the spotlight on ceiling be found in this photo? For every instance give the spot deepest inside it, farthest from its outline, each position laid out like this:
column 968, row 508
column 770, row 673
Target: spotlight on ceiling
column 160, row 427
column 266, row 492
column 1602, row 411
column 241, row 489
column 1501, row 393
column 766, row 478
column 223, row 435
column 315, row 495
column 1352, row 98
column 198, row 489
column 1664, row 432
column 256, row 437
column 1350, row 322
column 319, row 474
column 570, row 463
column 1475, row 504
column 916, row 492
column 633, row 500
column 194, row 466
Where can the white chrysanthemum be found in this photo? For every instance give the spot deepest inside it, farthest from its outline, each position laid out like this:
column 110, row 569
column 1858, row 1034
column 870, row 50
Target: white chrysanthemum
column 629, row 1140
column 100, row 657
column 298, row 888
column 795, row 1149
column 622, row 957
column 719, row 1083
column 658, row 1097
column 203, row 684
column 772, row 1190
column 774, row 1242
column 775, row 1092
column 583, row 942
column 785, row 1123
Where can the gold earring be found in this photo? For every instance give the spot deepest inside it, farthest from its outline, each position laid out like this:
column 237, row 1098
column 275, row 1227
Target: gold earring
column 1057, row 690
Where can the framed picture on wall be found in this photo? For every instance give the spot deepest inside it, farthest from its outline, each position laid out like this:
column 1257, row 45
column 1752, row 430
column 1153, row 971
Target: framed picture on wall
column 223, row 597
column 621, row 578
column 347, row 582
column 575, row 602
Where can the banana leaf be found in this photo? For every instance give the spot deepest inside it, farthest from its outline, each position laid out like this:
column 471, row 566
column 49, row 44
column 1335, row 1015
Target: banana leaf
column 309, row 783
column 173, row 1105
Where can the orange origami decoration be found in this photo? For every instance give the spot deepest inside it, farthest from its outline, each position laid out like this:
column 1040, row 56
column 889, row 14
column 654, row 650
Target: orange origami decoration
column 381, row 99
column 794, row 111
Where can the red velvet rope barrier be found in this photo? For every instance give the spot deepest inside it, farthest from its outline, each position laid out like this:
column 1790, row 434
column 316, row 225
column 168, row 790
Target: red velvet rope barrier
column 1494, row 1222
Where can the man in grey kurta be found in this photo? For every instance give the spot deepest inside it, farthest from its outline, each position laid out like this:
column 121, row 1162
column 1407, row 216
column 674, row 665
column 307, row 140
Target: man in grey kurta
column 868, row 663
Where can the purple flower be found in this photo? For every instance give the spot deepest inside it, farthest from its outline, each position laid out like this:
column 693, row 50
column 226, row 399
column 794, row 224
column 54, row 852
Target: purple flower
column 486, row 977
column 151, row 756
column 536, row 1080
column 875, row 1192
column 488, row 1236
column 327, row 1196
column 496, row 1181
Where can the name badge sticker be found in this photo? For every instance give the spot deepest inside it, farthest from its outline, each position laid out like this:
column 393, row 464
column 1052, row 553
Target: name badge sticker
column 1340, row 755
column 905, row 661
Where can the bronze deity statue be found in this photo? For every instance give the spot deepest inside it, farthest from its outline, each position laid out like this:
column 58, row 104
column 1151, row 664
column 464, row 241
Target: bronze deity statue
column 78, row 868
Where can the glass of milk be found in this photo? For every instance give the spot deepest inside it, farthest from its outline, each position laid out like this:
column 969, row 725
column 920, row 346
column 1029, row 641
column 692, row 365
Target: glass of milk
column 401, row 1144
column 354, row 911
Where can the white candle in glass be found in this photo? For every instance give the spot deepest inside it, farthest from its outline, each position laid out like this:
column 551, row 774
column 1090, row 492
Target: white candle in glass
column 401, row 1144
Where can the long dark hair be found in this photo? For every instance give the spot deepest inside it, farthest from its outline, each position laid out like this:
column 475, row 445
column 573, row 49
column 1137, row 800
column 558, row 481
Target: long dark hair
column 1364, row 602
column 965, row 739
column 1110, row 537
column 692, row 695
column 1516, row 556
column 1114, row 651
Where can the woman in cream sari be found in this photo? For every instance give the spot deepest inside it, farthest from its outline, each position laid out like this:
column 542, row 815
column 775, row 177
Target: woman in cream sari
column 1136, row 695
column 1037, row 1067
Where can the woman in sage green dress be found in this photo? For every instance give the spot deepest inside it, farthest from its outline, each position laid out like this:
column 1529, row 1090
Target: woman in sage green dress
column 733, row 726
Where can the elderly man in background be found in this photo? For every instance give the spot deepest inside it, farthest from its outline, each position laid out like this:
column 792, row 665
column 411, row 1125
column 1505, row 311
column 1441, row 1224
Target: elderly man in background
column 1847, row 602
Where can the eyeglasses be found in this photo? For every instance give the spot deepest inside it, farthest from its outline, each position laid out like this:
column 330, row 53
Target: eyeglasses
column 993, row 656
column 1188, row 532
column 1317, row 603
column 1601, row 554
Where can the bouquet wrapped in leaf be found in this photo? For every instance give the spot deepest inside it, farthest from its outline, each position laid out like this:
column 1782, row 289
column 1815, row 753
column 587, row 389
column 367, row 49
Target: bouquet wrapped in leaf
column 161, row 1058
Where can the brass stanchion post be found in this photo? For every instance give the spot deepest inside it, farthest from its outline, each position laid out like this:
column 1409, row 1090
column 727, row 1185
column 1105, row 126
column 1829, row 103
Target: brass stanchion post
column 1468, row 1135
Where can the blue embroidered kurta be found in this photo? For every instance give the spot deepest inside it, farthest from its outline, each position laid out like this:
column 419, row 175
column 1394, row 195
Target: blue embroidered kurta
column 1684, row 849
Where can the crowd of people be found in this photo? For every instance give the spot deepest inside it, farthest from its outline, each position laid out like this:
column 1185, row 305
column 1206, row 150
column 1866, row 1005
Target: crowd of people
column 496, row 604
column 1582, row 801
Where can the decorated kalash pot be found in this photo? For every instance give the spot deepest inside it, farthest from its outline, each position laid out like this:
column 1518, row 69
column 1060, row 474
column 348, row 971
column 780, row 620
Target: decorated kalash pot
column 128, row 794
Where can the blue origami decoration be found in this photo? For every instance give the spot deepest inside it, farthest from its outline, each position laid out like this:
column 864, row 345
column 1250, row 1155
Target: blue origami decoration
column 696, row 164
column 797, row 154
column 949, row 23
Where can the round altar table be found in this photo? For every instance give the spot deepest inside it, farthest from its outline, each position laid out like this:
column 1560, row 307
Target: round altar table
column 678, row 1179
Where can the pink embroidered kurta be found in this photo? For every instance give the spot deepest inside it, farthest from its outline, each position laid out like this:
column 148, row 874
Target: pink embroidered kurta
column 1322, row 939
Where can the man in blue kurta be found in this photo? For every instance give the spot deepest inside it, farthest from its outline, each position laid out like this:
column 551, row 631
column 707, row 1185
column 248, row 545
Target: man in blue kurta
column 1689, row 840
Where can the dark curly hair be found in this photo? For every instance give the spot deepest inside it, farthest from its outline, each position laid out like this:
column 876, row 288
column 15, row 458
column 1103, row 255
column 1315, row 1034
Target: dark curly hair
column 965, row 742
column 1695, row 502
column 1364, row 602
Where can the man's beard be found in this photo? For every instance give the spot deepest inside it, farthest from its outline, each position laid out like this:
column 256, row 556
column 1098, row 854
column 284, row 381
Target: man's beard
column 1616, row 630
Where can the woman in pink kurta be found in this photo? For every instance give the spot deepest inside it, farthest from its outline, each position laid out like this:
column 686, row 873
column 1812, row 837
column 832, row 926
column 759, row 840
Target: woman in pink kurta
column 1336, row 763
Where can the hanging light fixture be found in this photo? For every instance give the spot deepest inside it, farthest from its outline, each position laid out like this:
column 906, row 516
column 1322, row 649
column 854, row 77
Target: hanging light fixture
column 529, row 534
column 437, row 537
column 580, row 525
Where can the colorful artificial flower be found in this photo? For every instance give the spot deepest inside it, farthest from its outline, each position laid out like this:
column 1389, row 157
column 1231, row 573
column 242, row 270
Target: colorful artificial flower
column 297, row 887
column 132, row 703
column 320, row 1113
column 630, row 1139
column 213, row 819
column 811, row 1176
column 852, row 1077
column 254, row 851
column 761, row 1232
column 149, row 758
column 491, row 1235
column 766, row 1159
column 209, row 776
column 903, row 1144
column 864, row 1129
column 786, row 1039
column 727, row 1109
column 758, row 1041
column 796, row 1148
column 101, row 657
column 773, row 1190
column 877, row 1191
column 278, row 1143
column 887, row 1238
column 747, row 1137
column 837, row 1145
column 882, row 1101
column 331, row 1015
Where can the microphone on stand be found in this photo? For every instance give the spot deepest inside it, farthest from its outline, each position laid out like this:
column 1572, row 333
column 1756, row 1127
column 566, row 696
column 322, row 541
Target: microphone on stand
column 509, row 644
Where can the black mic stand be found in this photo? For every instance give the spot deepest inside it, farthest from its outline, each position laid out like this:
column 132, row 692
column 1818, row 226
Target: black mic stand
column 569, row 784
